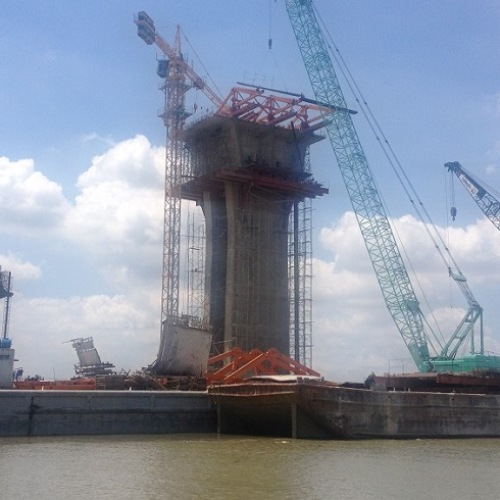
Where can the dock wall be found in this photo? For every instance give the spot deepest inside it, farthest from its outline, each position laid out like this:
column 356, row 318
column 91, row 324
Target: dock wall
column 63, row 413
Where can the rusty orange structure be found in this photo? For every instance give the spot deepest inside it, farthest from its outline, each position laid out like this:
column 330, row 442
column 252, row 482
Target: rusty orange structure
column 239, row 365
column 81, row 384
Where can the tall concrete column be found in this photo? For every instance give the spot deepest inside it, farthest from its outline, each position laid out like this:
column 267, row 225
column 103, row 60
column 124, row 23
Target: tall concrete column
column 246, row 177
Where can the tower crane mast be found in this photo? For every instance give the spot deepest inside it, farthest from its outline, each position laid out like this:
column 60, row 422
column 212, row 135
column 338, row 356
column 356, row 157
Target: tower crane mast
column 486, row 201
column 374, row 224
column 5, row 293
column 176, row 74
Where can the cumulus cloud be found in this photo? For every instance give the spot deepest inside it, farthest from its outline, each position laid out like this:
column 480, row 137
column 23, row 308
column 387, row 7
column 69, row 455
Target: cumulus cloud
column 29, row 201
column 118, row 213
column 123, row 327
column 353, row 331
column 133, row 161
column 116, row 219
column 21, row 270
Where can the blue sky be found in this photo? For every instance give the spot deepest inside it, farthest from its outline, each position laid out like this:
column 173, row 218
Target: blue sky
column 81, row 164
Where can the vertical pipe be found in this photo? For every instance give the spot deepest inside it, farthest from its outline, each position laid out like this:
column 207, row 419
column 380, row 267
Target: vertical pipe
column 296, row 282
column 7, row 306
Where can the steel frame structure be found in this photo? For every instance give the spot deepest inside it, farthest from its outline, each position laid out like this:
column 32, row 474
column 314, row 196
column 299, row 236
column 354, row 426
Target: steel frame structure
column 300, row 280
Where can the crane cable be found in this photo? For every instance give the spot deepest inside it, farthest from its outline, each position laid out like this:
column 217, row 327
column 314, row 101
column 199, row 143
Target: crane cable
column 395, row 164
column 394, row 161
column 408, row 187
column 453, row 208
column 396, row 167
column 270, row 52
column 214, row 85
column 451, row 191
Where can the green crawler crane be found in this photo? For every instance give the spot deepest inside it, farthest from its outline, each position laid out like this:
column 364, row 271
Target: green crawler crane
column 374, row 224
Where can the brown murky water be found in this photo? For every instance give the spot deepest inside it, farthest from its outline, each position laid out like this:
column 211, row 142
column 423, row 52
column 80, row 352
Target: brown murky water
column 238, row 468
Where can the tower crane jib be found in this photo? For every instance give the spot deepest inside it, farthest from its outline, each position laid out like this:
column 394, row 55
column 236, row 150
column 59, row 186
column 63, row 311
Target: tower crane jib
column 147, row 31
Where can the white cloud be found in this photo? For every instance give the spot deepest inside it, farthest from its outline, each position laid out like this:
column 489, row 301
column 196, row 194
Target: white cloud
column 133, row 161
column 21, row 270
column 491, row 169
column 117, row 220
column 118, row 214
column 28, row 200
column 94, row 136
column 123, row 327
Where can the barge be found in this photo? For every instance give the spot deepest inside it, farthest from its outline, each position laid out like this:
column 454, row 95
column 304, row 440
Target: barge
column 312, row 409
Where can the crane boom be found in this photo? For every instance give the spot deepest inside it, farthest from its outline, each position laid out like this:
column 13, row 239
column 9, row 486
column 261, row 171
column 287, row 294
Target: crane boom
column 485, row 200
column 365, row 199
column 147, row 31
column 374, row 224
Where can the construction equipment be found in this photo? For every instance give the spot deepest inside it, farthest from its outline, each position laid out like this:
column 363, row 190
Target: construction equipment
column 5, row 293
column 374, row 224
column 486, row 201
column 90, row 364
column 176, row 72
column 240, row 365
column 6, row 351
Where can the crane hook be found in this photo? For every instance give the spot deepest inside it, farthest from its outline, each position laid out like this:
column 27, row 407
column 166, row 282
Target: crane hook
column 453, row 212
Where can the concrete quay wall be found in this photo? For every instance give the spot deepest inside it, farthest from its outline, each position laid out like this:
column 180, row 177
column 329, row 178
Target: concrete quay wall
column 64, row 413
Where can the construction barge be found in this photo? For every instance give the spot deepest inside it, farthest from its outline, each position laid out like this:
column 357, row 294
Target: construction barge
column 259, row 393
column 438, row 406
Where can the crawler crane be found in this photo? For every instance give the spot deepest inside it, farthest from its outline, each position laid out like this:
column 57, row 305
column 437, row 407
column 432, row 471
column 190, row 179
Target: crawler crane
column 489, row 204
column 374, row 224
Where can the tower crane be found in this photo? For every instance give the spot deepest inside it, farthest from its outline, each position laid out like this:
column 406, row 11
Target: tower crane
column 6, row 351
column 178, row 77
column 489, row 204
column 242, row 103
column 374, row 224
column 5, row 293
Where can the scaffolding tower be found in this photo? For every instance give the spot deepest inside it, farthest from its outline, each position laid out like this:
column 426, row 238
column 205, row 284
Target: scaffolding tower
column 300, row 278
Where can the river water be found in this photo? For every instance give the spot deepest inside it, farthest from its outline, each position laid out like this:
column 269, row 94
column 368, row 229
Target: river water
column 192, row 467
